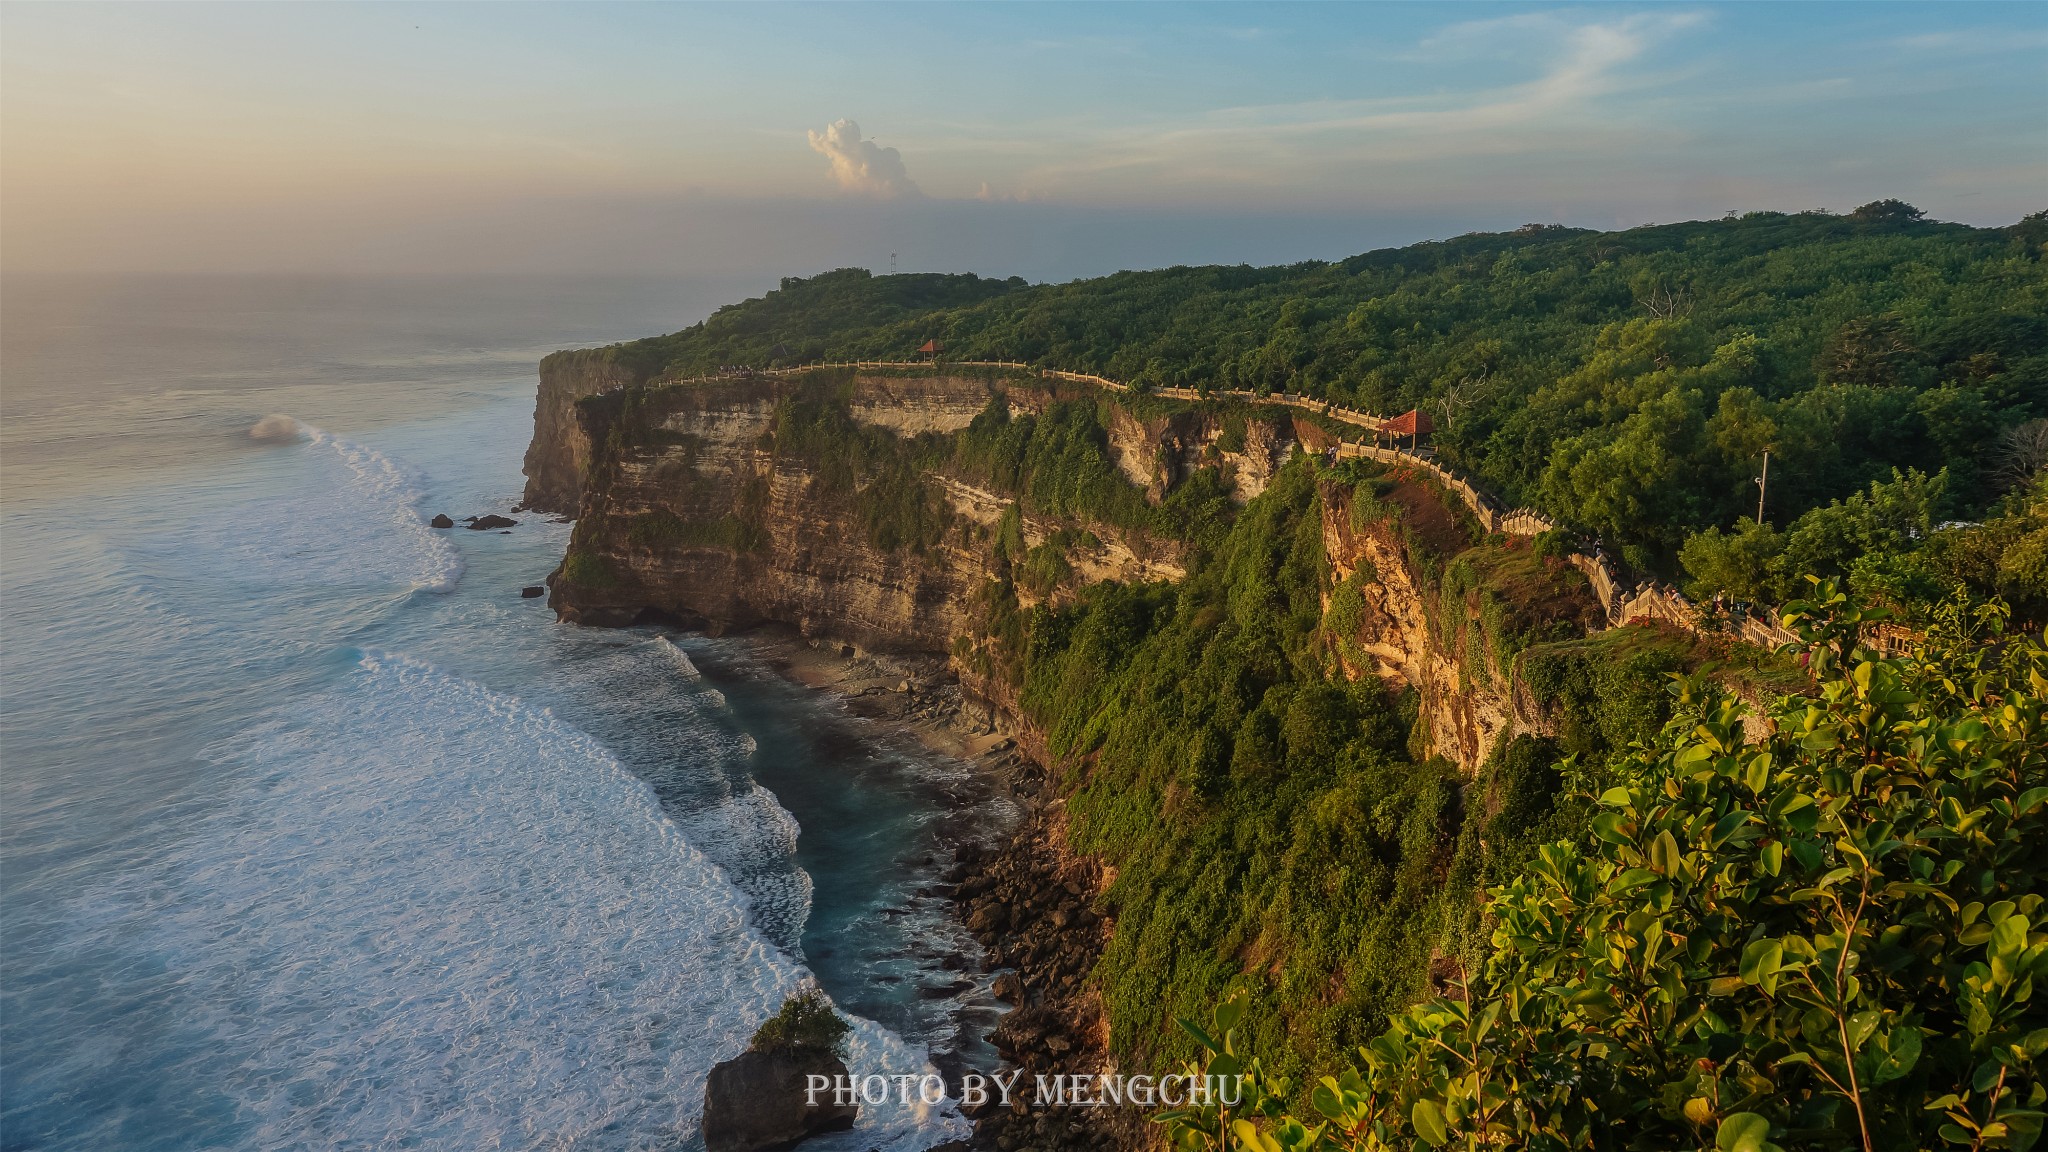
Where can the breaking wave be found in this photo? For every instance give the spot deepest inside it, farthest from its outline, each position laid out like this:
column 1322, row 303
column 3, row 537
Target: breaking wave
column 392, row 491
column 443, row 916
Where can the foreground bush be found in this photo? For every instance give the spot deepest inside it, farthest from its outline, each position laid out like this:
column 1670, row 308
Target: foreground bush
column 1827, row 936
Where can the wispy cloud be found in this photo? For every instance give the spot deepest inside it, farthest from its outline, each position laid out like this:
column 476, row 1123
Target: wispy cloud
column 1975, row 41
column 862, row 167
column 1582, row 67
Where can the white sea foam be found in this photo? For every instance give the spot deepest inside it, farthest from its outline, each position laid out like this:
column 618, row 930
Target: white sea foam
column 275, row 427
column 394, row 487
column 753, row 837
column 445, row 918
column 680, row 657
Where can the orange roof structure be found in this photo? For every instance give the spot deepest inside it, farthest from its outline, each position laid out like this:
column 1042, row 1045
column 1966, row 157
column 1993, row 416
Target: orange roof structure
column 1414, row 422
column 928, row 346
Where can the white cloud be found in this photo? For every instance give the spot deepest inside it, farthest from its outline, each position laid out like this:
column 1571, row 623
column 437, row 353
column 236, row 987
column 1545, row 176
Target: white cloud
column 862, row 166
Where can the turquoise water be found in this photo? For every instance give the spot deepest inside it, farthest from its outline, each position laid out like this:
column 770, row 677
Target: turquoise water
column 313, row 833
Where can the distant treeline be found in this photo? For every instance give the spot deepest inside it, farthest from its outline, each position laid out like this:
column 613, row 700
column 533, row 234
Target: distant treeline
column 1627, row 383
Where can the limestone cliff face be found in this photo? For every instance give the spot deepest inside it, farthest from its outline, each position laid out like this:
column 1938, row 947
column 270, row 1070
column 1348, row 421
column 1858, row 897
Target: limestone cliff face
column 1410, row 633
column 560, row 451
column 693, row 511
column 1464, row 715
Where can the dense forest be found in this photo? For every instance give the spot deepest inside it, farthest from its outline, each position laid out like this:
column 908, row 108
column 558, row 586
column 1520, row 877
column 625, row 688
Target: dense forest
column 1626, row 383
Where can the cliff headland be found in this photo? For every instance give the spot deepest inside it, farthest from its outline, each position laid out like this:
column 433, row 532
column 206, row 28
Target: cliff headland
column 1285, row 702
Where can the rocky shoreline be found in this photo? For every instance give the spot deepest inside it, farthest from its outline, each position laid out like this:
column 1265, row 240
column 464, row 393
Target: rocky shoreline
column 1027, row 900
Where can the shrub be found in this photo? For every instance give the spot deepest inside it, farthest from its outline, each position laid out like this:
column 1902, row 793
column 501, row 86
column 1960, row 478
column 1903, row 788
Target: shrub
column 1824, row 938
column 807, row 1023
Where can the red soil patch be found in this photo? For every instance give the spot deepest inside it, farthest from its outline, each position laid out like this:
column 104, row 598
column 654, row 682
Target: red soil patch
column 1427, row 520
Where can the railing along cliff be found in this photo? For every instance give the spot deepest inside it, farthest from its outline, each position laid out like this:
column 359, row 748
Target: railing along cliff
column 1623, row 602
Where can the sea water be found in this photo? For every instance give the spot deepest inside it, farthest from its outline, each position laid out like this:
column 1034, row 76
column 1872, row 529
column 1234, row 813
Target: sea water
column 314, row 833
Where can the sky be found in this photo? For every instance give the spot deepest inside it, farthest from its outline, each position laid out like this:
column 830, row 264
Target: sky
column 1048, row 140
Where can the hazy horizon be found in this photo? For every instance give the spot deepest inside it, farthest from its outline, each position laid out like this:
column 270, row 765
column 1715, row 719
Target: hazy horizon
column 1047, row 142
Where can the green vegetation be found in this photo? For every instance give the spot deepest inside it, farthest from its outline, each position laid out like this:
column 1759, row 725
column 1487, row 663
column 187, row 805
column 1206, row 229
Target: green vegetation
column 1626, row 383
column 806, row 1023
column 1264, row 814
column 1054, row 464
column 1259, row 815
column 1281, row 830
column 1886, row 545
column 587, row 568
column 661, row 529
column 1824, row 938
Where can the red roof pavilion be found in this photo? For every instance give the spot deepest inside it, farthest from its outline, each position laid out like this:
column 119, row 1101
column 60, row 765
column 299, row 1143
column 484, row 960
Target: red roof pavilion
column 1414, row 422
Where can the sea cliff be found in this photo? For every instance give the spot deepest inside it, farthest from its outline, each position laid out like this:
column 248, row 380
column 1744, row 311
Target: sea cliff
column 976, row 516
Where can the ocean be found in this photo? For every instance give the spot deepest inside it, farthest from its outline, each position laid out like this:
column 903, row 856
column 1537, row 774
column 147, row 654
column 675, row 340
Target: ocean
column 314, row 833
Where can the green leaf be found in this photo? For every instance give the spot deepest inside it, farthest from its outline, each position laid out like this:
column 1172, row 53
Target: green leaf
column 1230, row 1012
column 1726, row 826
column 1665, row 856
column 2008, row 940
column 1607, row 826
column 1757, row 773
column 1252, row 1138
column 1616, row 797
column 1784, row 804
column 1193, row 1029
column 1760, row 961
column 1742, row 1132
column 1902, row 1052
column 2029, row 800
column 1429, row 1123
column 1772, row 858
column 1629, row 880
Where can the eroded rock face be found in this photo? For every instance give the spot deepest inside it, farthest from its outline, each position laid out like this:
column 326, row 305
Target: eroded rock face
column 1466, row 712
column 693, row 513
column 560, row 450
column 759, row 1100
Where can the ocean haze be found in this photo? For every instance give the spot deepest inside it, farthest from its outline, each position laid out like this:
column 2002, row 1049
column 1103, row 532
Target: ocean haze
column 315, row 833
column 1046, row 141
column 107, row 377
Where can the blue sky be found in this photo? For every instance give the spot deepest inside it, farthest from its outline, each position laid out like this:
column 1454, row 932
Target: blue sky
column 1053, row 140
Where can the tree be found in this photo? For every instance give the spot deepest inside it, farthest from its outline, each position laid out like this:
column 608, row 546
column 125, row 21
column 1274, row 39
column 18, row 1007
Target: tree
column 1888, row 212
column 1826, row 937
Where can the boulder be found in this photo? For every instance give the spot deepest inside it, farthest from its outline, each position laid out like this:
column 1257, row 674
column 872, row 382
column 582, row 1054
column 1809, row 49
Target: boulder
column 756, row 1101
column 483, row 523
column 533, row 590
column 442, row 521
column 1008, row 988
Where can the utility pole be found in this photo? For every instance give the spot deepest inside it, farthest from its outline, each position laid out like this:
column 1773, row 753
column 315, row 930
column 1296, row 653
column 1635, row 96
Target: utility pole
column 1761, row 482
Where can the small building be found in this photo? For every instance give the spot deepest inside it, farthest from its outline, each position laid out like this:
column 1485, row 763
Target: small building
column 1414, row 424
column 930, row 348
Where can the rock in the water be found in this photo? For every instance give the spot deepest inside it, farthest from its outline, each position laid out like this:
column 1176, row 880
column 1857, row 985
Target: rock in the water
column 533, row 590
column 480, row 523
column 442, row 521
column 756, row 1101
